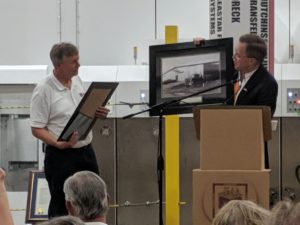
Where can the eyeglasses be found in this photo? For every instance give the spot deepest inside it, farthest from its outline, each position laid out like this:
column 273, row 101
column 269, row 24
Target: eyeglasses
column 238, row 56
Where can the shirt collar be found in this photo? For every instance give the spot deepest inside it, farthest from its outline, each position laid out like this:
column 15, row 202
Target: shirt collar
column 95, row 223
column 248, row 75
column 57, row 83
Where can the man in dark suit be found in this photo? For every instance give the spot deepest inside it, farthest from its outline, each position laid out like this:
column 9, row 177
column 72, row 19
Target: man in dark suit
column 257, row 85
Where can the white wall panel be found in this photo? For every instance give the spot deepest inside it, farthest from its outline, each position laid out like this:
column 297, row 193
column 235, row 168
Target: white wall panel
column 281, row 39
column 68, row 20
column 110, row 29
column 285, row 19
column 191, row 17
column 17, row 201
column 295, row 29
column 30, row 74
column 28, row 30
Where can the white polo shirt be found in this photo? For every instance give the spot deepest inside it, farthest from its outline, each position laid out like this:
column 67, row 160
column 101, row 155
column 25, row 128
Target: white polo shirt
column 52, row 105
column 94, row 223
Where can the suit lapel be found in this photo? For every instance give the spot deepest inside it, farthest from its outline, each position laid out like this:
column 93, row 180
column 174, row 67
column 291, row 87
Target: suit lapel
column 250, row 85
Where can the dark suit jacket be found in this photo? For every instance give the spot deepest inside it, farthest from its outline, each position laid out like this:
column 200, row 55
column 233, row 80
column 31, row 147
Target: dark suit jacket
column 261, row 89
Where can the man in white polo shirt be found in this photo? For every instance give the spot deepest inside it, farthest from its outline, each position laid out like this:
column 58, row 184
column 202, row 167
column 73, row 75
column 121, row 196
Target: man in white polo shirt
column 53, row 102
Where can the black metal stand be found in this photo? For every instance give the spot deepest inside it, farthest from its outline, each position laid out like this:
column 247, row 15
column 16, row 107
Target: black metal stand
column 160, row 169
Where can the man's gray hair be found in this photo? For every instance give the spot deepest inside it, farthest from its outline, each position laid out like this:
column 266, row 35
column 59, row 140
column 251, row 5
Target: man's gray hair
column 61, row 50
column 87, row 193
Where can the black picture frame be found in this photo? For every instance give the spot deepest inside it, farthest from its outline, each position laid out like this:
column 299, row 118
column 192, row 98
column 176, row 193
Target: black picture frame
column 83, row 118
column 38, row 197
column 178, row 70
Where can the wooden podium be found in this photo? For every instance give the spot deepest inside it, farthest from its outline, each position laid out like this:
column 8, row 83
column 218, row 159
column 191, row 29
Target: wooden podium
column 231, row 158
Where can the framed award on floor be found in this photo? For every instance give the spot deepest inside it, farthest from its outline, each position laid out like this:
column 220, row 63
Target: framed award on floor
column 38, row 197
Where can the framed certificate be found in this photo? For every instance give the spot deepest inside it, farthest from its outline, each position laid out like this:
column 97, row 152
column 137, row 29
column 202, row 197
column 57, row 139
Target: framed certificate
column 38, row 197
column 83, row 118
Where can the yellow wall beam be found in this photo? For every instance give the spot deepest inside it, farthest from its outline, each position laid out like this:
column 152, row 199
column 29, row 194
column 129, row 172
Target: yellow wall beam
column 172, row 169
column 171, row 34
column 172, row 152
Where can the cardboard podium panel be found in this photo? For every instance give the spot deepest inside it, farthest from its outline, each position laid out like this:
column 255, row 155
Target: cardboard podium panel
column 213, row 189
column 232, row 138
column 266, row 114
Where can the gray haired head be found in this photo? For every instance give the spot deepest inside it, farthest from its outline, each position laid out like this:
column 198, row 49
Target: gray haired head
column 241, row 212
column 61, row 50
column 63, row 220
column 280, row 212
column 87, row 193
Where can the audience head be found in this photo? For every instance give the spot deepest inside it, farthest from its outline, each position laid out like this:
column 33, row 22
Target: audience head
column 280, row 212
column 293, row 217
column 241, row 212
column 63, row 220
column 86, row 196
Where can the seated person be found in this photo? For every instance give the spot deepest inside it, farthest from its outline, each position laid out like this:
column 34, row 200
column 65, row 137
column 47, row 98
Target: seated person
column 86, row 197
column 241, row 212
column 280, row 212
column 285, row 212
column 63, row 220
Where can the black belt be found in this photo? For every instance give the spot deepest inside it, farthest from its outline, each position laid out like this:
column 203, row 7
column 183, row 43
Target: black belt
column 71, row 149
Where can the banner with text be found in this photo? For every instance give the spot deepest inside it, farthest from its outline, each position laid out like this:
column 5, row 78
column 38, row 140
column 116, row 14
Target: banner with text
column 233, row 18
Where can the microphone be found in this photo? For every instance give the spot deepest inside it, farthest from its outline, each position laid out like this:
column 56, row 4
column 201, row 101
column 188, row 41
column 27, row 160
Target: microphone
column 236, row 76
column 228, row 99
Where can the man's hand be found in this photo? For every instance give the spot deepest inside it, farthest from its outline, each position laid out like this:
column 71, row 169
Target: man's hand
column 101, row 112
column 68, row 144
column 5, row 215
column 198, row 41
column 2, row 175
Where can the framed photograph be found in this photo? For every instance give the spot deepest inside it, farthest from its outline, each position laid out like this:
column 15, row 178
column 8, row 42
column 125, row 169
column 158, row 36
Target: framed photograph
column 225, row 192
column 178, row 70
column 83, row 119
column 38, row 197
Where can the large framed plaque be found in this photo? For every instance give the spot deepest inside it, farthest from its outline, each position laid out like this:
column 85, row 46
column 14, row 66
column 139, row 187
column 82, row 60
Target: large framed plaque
column 179, row 70
column 38, row 197
column 83, row 118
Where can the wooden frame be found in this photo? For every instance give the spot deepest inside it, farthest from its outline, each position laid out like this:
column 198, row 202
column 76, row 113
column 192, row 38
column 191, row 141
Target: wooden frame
column 83, row 119
column 38, row 197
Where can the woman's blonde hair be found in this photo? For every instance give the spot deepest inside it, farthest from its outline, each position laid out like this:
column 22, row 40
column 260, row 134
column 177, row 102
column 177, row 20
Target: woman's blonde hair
column 280, row 212
column 241, row 212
